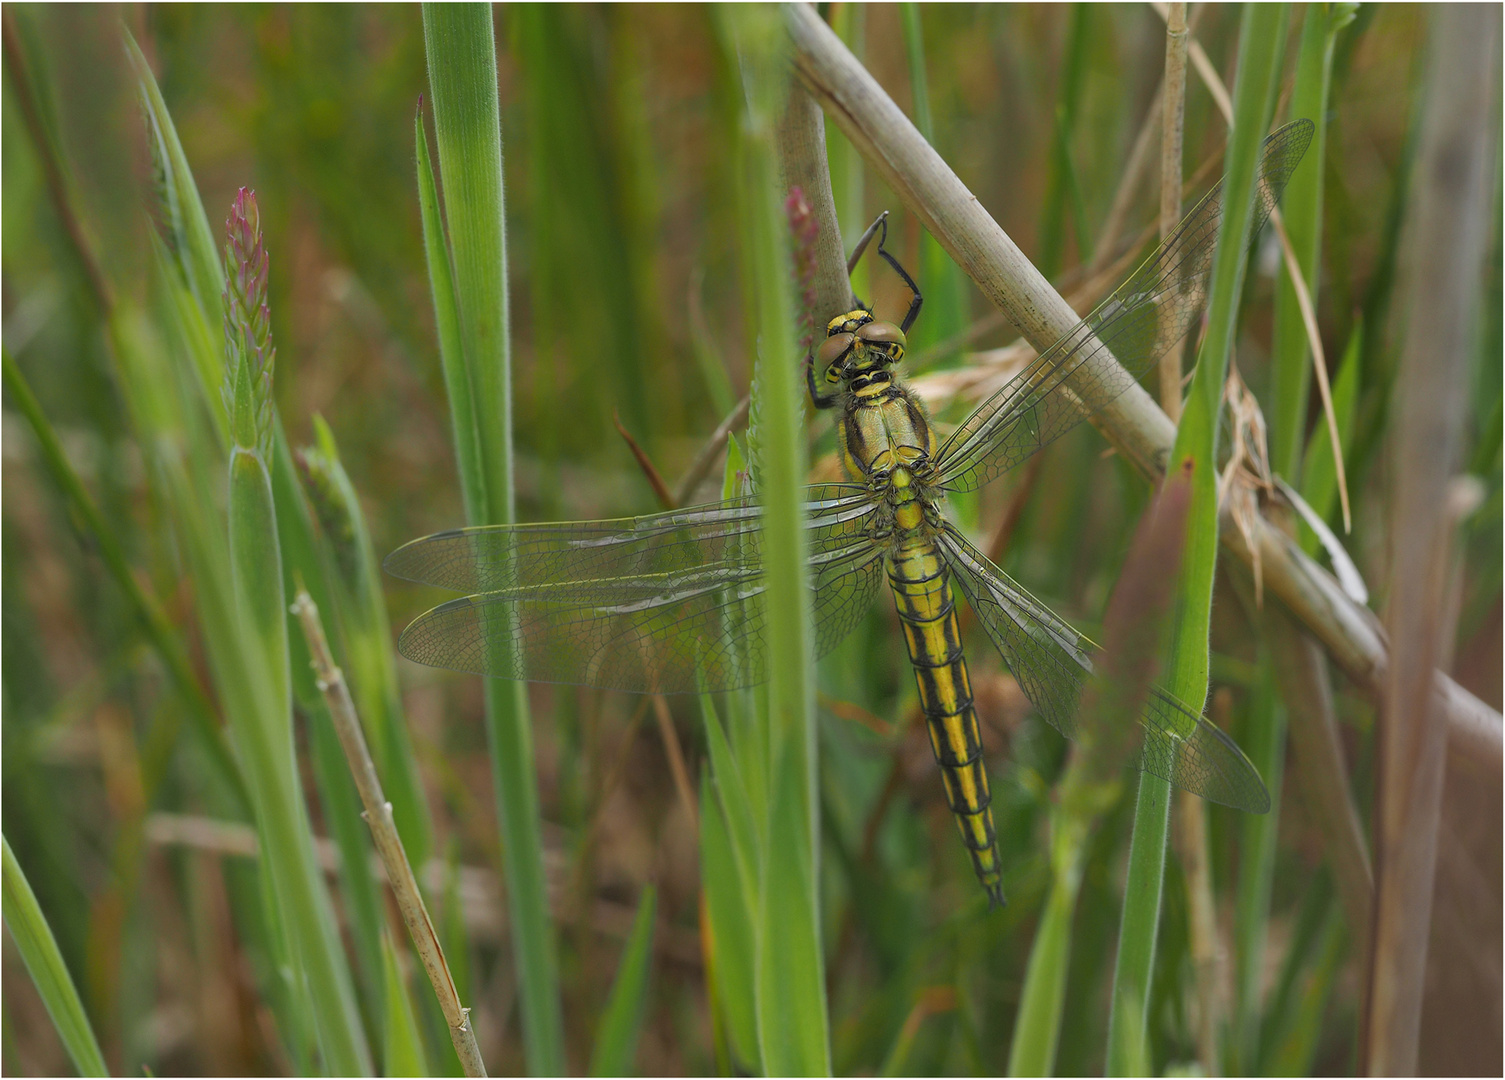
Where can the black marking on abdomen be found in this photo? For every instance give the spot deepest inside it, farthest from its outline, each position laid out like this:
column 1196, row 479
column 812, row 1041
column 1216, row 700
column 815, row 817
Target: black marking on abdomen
column 927, row 612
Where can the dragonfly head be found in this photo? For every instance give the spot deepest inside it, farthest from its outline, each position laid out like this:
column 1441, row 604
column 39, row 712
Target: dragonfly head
column 858, row 345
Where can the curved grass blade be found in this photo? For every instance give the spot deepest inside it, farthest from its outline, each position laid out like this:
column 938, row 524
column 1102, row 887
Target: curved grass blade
column 1248, row 189
column 460, row 46
column 38, row 948
column 622, row 1022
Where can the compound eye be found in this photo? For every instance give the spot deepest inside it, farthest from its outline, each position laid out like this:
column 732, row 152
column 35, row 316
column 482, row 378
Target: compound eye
column 881, row 333
column 833, row 349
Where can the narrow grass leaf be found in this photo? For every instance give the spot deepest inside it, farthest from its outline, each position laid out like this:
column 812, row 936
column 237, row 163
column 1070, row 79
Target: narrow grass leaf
column 622, row 1021
column 462, row 416
column 39, row 951
column 1302, row 210
column 1133, row 628
column 256, row 572
column 731, row 796
column 461, row 49
column 728, row 935
column 194, row 245
column 1261, row 41
column 402, row 1044
column 789, row 978
column 790, row 974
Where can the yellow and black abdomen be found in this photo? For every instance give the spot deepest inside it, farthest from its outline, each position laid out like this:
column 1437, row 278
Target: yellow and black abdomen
column 927, row 610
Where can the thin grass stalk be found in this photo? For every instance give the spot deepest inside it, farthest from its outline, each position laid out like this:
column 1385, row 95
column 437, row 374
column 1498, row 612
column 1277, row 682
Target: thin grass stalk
column 1301, row 208
column 1092, row 784
column 303, row 565
column 39, row 952
column 256, row 569
column 729, row 889
column 1261, row 37
column 622, row 1019
column 1295, row 278
column 789, row 974
column 402, row 1042
column 461, row 49
column 1190, row 835
column 1173, row 106
column 183, row 453
column 389, row 845
column 1450, row 217
column 1133, row 423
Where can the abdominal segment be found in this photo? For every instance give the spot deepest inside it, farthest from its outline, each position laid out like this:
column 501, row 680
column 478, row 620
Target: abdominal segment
column 927, row 611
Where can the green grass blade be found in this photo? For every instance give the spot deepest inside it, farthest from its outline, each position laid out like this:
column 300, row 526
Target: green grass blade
column 467, row 119
column 1261, row 41
column 39, row 951
column 461, row 50
column 402, row 1043
column 462, row 415
column 1037, row 1025
column 360, row 613
column 267, row 743
column 731, row 796
column 1133, row 628
column 729, row 934
column 1302, row 208
column 622, row 1022
column 194, row 243
column 256, row 573
column 789, row 980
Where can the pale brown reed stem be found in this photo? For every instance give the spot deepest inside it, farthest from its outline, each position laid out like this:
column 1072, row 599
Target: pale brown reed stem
column 378, row 815
column 1449, row 215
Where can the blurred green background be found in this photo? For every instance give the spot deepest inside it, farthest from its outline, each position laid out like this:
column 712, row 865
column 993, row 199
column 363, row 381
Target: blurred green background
column 626, row 302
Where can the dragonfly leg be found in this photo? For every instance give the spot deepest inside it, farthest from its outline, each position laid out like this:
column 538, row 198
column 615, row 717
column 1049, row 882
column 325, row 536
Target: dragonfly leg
column 914, row 305
column 819, row 400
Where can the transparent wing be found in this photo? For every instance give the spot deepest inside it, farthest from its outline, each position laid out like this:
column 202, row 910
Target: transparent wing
column 1149, row 313
column 1052, row 663
column 669, row 603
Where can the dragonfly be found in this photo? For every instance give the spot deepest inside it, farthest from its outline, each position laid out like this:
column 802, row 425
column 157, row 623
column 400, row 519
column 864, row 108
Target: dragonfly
column 675, row 602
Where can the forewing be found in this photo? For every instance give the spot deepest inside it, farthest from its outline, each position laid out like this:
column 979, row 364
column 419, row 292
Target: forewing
column 1149, row 313
column 1052, row 663
column 671, row 603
